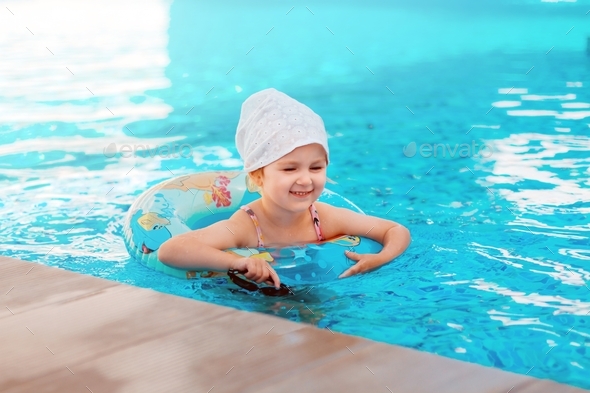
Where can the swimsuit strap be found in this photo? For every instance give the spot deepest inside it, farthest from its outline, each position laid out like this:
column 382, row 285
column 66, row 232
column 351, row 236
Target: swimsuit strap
column 314, row 216
column 247, row 209
column 316, row 222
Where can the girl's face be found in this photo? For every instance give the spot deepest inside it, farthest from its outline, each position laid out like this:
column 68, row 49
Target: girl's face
column 296, row 180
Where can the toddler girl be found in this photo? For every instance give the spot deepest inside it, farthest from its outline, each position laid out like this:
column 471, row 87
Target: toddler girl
column 284, row 147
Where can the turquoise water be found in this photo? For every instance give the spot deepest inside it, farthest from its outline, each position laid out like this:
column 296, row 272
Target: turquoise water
column 498, row 270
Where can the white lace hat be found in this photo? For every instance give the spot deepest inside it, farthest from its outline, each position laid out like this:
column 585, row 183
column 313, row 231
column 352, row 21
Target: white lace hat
column 272, row 125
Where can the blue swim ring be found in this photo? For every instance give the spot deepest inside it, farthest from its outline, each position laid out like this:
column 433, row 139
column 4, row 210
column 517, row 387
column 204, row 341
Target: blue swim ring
column 197, row 200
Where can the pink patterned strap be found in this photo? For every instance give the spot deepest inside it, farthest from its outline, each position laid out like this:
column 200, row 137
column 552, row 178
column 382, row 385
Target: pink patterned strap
column 316, row 222
column 247, row 209
column 314, row 216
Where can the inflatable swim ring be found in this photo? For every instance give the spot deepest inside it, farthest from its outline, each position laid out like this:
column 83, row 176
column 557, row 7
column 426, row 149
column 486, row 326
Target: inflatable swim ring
column 195, row 201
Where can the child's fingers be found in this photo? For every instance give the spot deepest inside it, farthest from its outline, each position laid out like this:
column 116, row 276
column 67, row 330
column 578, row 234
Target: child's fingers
column 345, row 274
column 259, row 271
column 352, row 255
column 249, row 273
column 274, row 276
column 240, row 265
column 260, row 274
column 253, row 272
column 350, row 272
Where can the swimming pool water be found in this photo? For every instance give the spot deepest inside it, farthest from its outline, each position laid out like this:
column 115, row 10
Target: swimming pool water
column 497, row 273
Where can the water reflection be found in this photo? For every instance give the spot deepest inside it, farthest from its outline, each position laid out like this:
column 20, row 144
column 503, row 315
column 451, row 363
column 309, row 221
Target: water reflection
column 542, row 175
column 73, row 78
column 89, row 64
column 534, row 157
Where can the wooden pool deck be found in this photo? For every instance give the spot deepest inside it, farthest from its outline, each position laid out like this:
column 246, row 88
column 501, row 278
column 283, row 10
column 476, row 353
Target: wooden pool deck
column 66, row 332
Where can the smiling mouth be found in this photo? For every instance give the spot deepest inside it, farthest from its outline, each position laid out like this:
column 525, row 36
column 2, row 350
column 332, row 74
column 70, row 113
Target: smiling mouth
column 300, row 193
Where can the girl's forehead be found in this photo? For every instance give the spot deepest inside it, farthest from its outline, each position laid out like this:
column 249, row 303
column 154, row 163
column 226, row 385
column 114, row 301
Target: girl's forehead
column 311, row 149
column 312, row 154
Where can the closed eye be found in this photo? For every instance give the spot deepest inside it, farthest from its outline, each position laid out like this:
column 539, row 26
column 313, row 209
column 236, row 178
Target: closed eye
column 315, row 168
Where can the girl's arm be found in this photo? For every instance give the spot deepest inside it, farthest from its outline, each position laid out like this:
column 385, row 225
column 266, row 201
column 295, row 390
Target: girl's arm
column 394, row 237
column 201, row 249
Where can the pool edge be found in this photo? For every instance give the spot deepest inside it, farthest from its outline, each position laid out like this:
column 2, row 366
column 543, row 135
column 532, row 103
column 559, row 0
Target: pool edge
column 65, row 331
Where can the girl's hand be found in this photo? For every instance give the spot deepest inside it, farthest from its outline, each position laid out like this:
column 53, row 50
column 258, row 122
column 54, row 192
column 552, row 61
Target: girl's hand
column 258, row 270
column 363, row 263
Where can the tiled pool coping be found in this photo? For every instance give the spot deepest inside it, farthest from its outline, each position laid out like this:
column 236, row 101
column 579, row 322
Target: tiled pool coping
column 67, row 332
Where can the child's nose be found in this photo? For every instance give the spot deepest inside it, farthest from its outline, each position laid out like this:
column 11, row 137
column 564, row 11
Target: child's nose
column 304, row 179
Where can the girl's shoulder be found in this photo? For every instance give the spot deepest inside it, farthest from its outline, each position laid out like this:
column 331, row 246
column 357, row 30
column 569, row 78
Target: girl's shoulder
column 329, row 219
column 326, row 207
column 243, row 223
column 323, row 207
column 246, row 225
